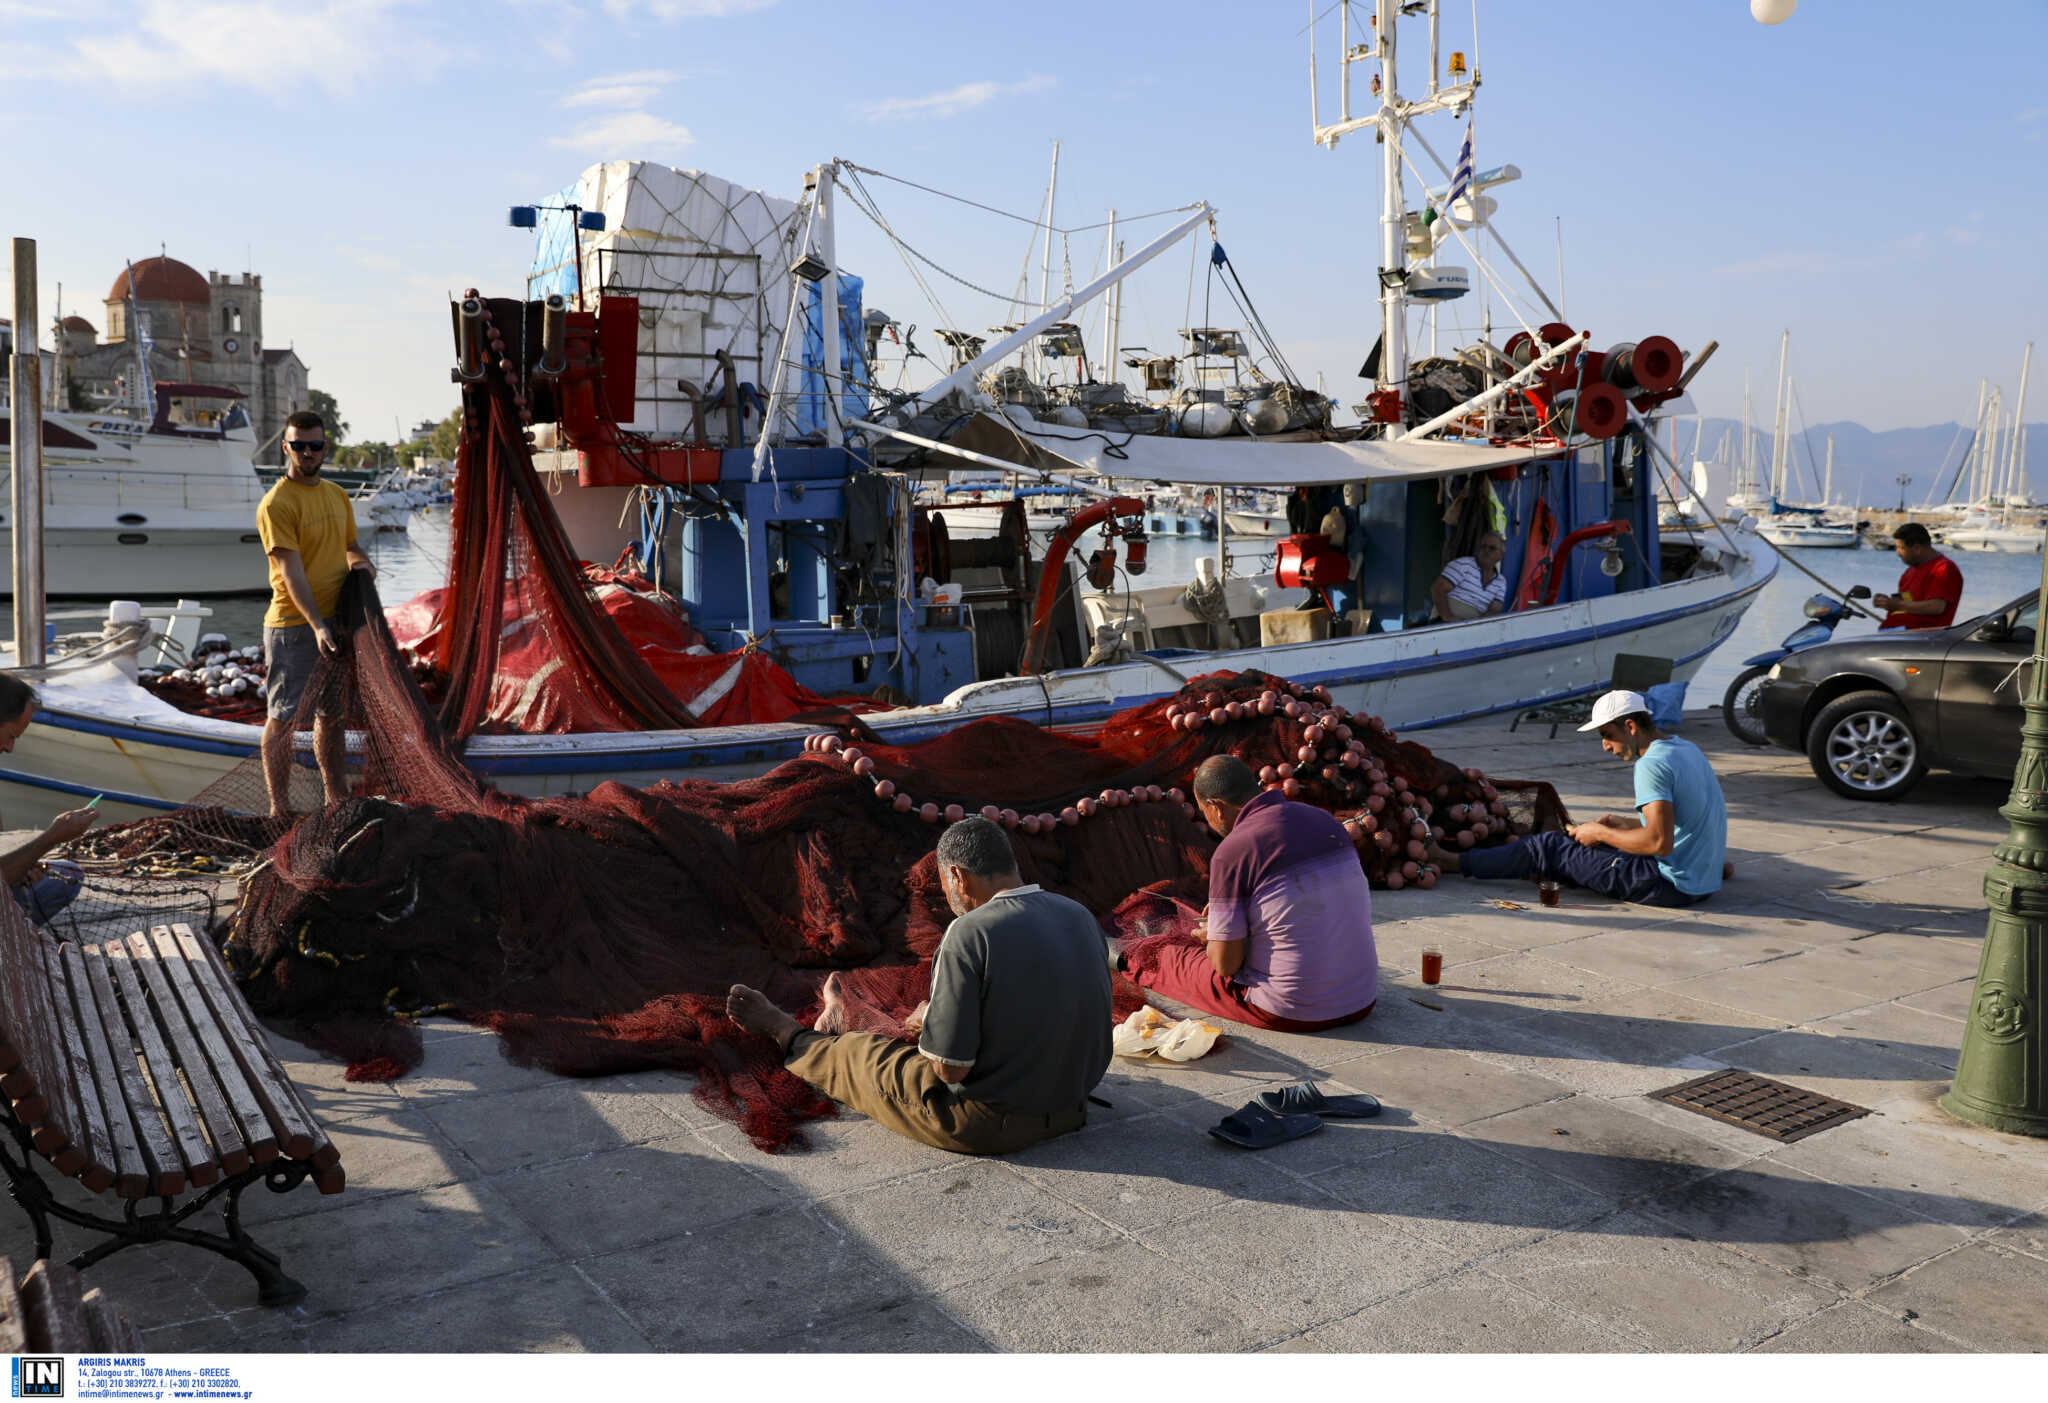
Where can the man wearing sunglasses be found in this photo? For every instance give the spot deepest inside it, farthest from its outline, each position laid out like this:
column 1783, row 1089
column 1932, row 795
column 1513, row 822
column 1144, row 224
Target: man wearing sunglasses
column 308, row 529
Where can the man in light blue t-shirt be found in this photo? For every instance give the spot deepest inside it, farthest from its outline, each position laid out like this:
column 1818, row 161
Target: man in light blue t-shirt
column 1671, row 852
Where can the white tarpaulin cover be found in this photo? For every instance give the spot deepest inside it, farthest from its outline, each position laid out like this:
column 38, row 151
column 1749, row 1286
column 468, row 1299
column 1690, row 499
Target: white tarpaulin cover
column 1238, row 462
column 709, row 261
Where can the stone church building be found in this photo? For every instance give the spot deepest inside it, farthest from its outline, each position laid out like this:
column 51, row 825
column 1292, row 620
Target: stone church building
column 205, row 330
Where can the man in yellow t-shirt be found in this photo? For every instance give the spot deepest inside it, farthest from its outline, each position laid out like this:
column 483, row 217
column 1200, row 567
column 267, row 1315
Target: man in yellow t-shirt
column 308, row 530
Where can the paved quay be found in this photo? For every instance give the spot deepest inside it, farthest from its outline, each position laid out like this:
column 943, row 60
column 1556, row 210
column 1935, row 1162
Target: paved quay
column 1519, row 1193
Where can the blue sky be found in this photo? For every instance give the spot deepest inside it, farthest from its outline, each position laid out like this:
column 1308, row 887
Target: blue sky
column 1867, row 174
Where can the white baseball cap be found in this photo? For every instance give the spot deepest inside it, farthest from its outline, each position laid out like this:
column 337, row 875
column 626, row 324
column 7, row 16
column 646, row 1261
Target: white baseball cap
column 1615, row 705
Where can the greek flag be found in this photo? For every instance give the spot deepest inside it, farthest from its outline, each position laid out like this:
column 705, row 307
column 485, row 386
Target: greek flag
column 1461, row 178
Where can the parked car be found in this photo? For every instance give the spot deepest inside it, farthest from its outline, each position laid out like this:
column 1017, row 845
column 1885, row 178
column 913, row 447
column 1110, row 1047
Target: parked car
column 1873, row 713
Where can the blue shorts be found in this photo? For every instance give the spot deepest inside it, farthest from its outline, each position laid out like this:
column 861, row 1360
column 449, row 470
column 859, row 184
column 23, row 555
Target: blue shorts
column 50, row 893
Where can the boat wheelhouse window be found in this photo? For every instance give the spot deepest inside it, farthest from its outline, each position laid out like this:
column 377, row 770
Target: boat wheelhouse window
column 132, row 538
column 132, row 519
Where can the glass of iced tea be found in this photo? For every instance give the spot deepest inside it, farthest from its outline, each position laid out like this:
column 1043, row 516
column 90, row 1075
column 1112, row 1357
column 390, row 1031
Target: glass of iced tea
column 1548, row 892
column 1432, row 966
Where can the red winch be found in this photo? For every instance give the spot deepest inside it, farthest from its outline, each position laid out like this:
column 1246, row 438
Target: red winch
column 1591, row 393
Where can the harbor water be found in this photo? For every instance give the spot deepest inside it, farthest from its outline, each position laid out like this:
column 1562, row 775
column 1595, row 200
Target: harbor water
column 415, row 560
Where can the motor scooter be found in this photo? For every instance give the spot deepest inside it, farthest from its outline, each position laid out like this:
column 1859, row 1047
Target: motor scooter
column 1742, row 706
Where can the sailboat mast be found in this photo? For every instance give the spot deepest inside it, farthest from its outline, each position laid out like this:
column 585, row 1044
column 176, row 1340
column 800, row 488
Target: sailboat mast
column 1052, row 186
column 1827, row 491
column 1778, row 428
column 1750, row 445
column 1393, row 218
column 2015, row 461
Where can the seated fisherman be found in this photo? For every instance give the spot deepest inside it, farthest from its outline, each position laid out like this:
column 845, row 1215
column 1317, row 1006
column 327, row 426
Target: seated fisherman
column 1473, row 585
column 1018, row 1028
column 1289, row 928
column 42, row 889
column 1672, row 854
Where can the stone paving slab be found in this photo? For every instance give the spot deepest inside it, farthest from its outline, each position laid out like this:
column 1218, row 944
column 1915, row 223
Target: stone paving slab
column 494, row 1208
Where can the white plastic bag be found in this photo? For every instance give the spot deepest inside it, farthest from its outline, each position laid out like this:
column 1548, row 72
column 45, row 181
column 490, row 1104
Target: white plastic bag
column 1150, row 1033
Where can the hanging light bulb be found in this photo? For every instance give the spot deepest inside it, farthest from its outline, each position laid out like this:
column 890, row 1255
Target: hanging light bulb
column 1772, row 11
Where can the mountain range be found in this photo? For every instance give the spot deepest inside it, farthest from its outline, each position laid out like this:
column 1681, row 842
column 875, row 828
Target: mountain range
column 1868, row 462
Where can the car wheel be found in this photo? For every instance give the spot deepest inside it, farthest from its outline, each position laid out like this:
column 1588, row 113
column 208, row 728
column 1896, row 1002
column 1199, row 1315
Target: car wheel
column 1743, row 706
column 1863, row 746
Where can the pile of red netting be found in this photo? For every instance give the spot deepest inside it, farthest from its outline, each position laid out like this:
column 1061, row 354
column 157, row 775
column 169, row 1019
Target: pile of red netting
column 600, row 933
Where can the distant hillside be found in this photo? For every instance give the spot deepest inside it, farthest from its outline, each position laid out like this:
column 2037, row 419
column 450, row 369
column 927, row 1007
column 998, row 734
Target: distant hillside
column 1867, row 464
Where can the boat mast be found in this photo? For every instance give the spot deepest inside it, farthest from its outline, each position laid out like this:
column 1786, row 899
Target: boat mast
column 1827, row 491
column 1778, row 427
column 1393, row 219
column 1748, row 443
column 2016, row 461
column 1113, row 313
column 1052, row 186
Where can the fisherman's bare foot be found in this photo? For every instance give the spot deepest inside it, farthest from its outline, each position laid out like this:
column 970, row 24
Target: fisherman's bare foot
column 831, row 1007
column 1445, row 860
column 754, row 1012
column 1727, row 871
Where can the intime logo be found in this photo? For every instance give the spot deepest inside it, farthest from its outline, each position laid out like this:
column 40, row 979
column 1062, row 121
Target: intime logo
column 38, row 1378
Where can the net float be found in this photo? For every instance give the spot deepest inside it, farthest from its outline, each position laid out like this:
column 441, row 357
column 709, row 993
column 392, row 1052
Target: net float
column 929, row 813
column 954, row 813
column 1418, row 829
column 1480, row 831
column 1085, row 807
column 1235, row 711
column 1313, row 735
column 902, row 803
column 1395, row 881
column 1176, row 796
column 1070, row 816
column 1286, row 770
column 1465, row 838
column 1008, row 818
column 991, row 812
column 1218, row 716
column 1305, row 754
column 1411, row 870
column 1415, row 849
column 1267, row 774
column 1369, row 823
column 863, row 766
column 885, row 788
column 1376, row 802
column 1291, row 788
column 1029, row 823
column 1427, row 881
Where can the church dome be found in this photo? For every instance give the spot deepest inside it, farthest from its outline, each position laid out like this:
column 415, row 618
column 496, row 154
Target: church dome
column 162, row 280
column 77, row 324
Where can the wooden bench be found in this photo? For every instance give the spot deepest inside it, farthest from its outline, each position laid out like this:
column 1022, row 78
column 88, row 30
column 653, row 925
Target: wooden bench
column 51, row 1313
column 135, row 1066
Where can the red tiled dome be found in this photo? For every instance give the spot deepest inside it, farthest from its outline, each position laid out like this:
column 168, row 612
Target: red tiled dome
column 78, row 324
column 162, row 280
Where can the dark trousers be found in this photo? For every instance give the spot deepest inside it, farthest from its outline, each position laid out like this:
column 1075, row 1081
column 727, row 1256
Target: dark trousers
column 1559, row 857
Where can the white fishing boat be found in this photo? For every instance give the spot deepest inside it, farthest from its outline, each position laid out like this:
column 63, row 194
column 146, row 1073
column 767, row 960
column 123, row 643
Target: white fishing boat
column 1563, row 441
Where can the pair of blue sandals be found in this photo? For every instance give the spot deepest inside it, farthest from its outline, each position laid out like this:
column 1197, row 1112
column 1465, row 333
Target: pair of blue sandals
column 1288, row 1114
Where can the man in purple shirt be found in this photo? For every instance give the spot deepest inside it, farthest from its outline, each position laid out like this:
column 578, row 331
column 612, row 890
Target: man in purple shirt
column 1289, row 929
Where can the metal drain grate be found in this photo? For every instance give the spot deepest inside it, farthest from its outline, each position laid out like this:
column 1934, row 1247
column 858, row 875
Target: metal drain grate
column 1770, row 1108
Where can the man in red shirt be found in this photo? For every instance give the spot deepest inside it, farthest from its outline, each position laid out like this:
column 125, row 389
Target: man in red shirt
column 1929, row 590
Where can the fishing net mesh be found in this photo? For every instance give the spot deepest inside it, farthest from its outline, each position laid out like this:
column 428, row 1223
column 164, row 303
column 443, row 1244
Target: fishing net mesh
column 599, row 933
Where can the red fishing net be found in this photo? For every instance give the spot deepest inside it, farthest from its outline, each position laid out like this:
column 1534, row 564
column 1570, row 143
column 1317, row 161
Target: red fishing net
column 599, row 933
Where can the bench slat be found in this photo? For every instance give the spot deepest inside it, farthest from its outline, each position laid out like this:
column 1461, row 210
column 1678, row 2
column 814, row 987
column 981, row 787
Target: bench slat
column 28, row 1021
column 252, row 1124
column 201, row 1168
column 325, row 1154
column 111, row 1332
column 131, row 1173
column 59, row 1135
column 13, row 1320
column 88, row 1129
column 166, row 1169
column 226, row 1135
column 56, row 1317
column 298, row 1135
